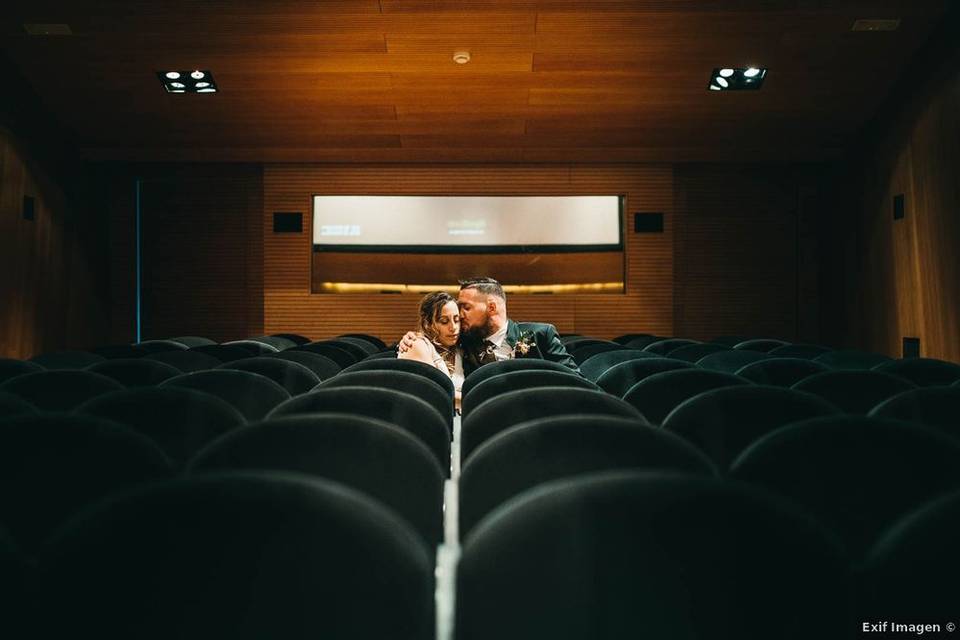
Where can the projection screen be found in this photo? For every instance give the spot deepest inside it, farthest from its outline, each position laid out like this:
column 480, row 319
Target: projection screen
column 460, row 224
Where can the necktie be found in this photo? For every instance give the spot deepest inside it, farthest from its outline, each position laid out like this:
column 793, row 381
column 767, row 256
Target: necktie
column 486, row 355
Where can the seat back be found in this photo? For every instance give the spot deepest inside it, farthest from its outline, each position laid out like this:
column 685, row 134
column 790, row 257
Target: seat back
column 857, row 475
column 649, row 555
column 243, row 555
column 514, row 407
column 538, row 451
column 660, row 393
column 371, row 456
column 411, row 383
column 731, row 361
column 852, row 359
column 781, row 372
column 487, row 371
column 60, row 390
column 135, row 372
column 393, row 363
column 53, row 465
column 251, row 394
column 180, row 420
column 595, row 366
column 292, row 376
column 937, row 407
column 923, row 372
column 854, row 390
column 408, row 412
column 67, row 359
column 528, row 379
column 617, row 380
column 723, row 422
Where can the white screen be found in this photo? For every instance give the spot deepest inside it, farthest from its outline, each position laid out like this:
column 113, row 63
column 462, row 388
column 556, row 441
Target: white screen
column 458, row 221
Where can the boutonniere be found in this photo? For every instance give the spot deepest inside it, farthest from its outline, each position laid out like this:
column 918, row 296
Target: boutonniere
column 523, row 345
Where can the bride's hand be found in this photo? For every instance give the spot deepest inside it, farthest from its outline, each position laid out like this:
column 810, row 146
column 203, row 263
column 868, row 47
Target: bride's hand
column 406, row 342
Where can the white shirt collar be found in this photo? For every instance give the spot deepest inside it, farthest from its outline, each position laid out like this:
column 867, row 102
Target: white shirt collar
column 498, row 338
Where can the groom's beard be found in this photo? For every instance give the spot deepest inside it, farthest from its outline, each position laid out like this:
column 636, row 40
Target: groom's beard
column 478, row 334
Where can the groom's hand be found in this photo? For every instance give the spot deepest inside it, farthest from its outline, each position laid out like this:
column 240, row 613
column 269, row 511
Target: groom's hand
column 406, row 342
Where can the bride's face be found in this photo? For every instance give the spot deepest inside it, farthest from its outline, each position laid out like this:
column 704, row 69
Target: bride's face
column 447, row 325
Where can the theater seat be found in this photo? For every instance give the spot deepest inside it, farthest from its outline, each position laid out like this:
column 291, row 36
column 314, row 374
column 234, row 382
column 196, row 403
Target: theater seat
column 515, row 380
column 53, row 465
column 910, row 574
column 487, row 371
column 618, row 379
column 411, row 383
column 371, row 456
column 732, row 360
column 181, row 421
column 852, row 359
column 657, row 395
column 11, row 405
column 244, row 556
column 11, row 368
column 409, row 366
column 135, row 372
column 322, row 366
column 60, row 390
column 67, row 359
column 923, row 372
column 186, row 361
column 650, row 555
column 854, row 390
column 293, row 377
column 857, row 475
column 546, row 449
column 723, row 422
column 937, row 407
column 251, row 394
column 508, row 409
column 595, row 366
column 781, row 372
column 403, row 410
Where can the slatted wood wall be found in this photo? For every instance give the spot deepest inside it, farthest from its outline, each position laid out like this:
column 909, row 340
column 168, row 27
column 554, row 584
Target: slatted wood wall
column 891, row 279
column 740, row 238
column 51, row 268
column 201, row 258
column 647, row 305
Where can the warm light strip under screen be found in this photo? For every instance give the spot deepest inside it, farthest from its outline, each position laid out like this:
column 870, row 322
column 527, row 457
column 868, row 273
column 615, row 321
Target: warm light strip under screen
column 373, row 287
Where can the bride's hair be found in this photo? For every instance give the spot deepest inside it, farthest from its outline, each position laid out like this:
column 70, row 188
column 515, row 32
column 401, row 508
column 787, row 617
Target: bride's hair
column 430, row 308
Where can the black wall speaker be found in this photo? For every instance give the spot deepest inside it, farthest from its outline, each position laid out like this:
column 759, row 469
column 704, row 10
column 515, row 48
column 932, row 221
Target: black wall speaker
column 911, row 347
column 287, row 222
column 648, row 223
column 898, row 207
column 28, row 208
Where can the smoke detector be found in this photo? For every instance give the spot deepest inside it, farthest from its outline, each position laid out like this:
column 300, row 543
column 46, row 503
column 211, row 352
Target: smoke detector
column 461, row 57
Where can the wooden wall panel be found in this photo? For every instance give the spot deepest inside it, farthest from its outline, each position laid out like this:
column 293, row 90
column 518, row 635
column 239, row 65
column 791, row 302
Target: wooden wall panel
column 52, row 267
column 289, row 305
column 737, row 251
column 201, row 251
column 889, row 279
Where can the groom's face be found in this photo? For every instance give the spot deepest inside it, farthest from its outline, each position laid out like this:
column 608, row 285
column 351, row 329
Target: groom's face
column 474, row 315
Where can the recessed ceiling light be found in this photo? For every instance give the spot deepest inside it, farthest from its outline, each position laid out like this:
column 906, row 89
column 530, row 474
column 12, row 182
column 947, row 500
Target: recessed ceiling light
column 736, row 78
column 461, row 57
column 173, row 81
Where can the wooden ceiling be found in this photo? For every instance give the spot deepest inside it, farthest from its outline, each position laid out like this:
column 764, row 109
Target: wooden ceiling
column 549, row 81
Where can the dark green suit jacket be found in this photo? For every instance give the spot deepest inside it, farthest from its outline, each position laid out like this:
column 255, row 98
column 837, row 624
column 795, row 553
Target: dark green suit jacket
column 542, row 338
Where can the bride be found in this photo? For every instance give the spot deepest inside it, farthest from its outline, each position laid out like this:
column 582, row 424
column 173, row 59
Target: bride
column 438, row 334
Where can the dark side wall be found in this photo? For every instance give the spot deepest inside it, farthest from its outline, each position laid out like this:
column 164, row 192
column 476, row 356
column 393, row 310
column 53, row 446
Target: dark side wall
column 885, row 279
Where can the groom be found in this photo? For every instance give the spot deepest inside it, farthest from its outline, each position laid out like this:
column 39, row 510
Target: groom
column 486, row 335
